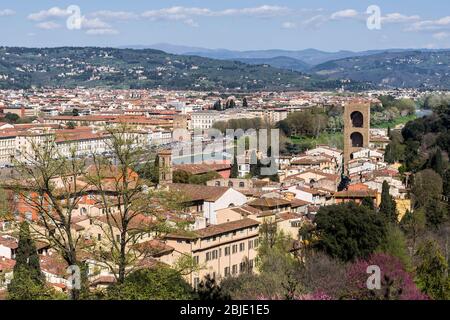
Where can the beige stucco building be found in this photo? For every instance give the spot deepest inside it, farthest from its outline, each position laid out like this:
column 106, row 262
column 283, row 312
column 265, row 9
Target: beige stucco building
column 219, row 250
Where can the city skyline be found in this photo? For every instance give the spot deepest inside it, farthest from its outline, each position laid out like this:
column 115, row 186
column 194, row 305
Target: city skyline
column 234, row 25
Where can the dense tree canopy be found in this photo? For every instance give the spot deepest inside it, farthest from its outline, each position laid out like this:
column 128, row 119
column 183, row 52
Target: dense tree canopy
column 348, row 231
column 432, row 272
column 309, row 123
column 427, row 187
column 161, row 283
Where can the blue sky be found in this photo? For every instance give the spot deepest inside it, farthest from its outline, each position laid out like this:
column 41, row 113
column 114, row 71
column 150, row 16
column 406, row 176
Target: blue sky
column 239, row 25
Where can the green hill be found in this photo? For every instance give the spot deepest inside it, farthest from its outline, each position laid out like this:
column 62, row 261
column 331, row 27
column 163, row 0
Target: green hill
column 127, row 68
column 411, row 69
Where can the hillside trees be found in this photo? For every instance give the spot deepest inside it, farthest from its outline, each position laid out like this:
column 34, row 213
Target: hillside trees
column 349, row 231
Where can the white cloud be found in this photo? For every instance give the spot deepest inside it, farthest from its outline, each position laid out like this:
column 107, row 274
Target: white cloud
column 48, row 25
column 289, row 25
column 262, row 11
column 398, row 18
column 54, row 12
column 176, row 13
column 319, row 20
column 187, row 14
column 6, row 12
column 315, row 22
column 102, row 32
column 343, row 14
column 119, row 15
column 431, row 25
column 95, row 23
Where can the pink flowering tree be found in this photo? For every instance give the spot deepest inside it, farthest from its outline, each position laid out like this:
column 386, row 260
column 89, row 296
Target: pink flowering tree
column 395, row 282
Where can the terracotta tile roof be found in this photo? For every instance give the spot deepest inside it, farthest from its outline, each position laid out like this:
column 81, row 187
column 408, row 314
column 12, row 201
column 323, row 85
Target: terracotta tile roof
column 53, row 264
column 149, row 262
column 202, row 167
column 77, row 135
column 314, row 191
column 269, row 202
column 250, row 209
column 195, row 192
column 311, row 159
column 358, row 190
column 218, row 229
column 82, row 118
column 246, row 210
column 295, row 203
column 6, row 264
column 138, row 222
column 9, row 242
column 289, row 215
column 154, row 248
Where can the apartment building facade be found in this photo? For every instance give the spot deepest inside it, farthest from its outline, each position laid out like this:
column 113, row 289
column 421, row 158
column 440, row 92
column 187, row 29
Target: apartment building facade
column 221, row 250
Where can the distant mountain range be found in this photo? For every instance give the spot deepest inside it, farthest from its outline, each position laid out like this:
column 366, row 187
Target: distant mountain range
column 240, row 71
column 412, row 68
column 310, row 57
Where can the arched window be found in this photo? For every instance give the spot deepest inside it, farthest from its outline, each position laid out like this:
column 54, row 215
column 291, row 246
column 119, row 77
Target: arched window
column 357, row 139
column 230, row 184
column 357, row 119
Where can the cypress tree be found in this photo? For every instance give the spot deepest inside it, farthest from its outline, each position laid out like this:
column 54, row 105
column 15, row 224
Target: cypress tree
column 234, row 168
column 28, row 281
column 27, row 256
column 388, row 206
column 209, row 289
column 155, row 171
column 437, row 163
column 255, row 165
column 244, row 102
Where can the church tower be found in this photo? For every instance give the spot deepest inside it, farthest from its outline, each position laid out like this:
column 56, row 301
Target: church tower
column 356, row 128
column 165, row 166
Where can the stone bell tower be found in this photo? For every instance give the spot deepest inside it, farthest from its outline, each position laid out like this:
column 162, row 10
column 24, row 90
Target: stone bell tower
column 356, row 128
column 165, row 166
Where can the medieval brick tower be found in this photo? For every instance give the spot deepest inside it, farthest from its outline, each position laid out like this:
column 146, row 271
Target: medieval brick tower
column 356, row 128
column 165, row 166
